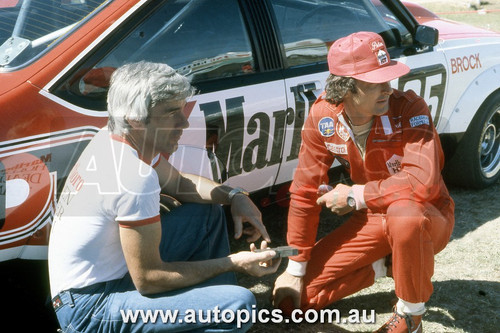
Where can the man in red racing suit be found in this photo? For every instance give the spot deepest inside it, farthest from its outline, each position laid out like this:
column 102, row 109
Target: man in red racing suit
column 386, row 140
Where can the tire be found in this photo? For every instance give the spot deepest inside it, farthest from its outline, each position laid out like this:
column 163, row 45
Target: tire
column 476, row 162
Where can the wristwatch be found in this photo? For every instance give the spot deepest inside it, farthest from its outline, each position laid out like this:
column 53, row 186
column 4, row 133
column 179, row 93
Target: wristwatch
column 235, row 191
column 351, row 202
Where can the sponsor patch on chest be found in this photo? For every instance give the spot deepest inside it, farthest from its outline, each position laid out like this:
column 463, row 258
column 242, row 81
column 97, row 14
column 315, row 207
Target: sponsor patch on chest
column 336, row 148
column 394, row 164
column 326, row 126
column 342, row 131
column 419, row 121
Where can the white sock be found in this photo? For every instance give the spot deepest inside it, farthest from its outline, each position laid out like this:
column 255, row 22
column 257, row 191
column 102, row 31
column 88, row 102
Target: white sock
column 379, row 268
column 414, row 309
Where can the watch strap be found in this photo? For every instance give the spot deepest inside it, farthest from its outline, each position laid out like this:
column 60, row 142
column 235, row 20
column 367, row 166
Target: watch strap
column 235, row 191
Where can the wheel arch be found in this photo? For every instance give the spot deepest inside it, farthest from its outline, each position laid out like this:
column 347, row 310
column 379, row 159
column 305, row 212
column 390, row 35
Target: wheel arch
column 473, row 98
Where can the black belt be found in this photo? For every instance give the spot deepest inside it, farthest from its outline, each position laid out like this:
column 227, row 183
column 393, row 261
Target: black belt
column 66, row 298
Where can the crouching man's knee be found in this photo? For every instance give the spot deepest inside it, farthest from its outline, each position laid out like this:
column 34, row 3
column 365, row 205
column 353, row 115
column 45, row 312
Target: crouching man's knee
column 406, row 219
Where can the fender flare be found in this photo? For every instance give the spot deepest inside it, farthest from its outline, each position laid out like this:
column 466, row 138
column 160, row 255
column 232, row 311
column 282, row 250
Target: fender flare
column 472, row 99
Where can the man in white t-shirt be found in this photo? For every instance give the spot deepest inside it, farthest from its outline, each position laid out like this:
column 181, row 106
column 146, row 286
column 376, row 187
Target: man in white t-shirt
column 112, row 256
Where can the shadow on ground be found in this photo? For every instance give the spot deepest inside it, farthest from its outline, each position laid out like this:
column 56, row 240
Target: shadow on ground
column 444, row 310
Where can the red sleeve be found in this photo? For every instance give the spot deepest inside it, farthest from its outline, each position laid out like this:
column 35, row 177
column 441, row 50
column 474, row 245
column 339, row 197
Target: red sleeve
column 314, row 162
column 139, row 223
column 419, row 178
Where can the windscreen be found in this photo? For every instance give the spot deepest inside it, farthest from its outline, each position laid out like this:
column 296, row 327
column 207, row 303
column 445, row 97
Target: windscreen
column 28, row 28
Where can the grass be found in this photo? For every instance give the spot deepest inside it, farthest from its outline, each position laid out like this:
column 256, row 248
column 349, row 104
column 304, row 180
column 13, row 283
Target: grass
column 486, row 15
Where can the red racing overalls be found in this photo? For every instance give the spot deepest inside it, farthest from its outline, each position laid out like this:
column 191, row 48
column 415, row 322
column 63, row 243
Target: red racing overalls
column 409, row 213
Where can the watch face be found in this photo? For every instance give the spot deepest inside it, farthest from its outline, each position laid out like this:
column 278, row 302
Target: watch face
column 351, row 202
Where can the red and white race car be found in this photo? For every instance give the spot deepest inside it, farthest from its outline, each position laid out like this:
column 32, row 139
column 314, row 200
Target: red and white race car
column 257, row 65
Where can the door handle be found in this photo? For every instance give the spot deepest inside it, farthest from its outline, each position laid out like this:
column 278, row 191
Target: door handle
column 309, row 86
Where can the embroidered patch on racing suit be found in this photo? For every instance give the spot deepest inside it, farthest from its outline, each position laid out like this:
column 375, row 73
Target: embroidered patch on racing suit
column 394, row 164
column 419, row 121
column 342, row 131
column 326, row 126
column 336, row 149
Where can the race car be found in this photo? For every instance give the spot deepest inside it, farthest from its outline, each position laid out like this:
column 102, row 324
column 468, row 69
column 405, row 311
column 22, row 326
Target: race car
column 257, row 65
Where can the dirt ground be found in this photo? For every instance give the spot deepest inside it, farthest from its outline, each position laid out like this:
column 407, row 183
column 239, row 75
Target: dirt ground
column 466, row 281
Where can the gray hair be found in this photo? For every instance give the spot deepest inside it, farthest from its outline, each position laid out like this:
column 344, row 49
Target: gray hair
column 136, row 88
column 337, row 87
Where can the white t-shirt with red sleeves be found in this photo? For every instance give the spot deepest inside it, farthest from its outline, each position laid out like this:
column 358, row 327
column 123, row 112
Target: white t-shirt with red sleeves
column 109, row 187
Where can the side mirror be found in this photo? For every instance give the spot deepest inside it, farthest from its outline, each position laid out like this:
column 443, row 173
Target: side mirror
column 426, row 36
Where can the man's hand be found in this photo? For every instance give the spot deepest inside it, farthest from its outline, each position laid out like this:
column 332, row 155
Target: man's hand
column 244, row 210
column 288, row 285
column 336, row 200
column 256, row 263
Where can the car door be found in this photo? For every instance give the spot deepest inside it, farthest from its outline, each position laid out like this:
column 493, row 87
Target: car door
column 238, row 114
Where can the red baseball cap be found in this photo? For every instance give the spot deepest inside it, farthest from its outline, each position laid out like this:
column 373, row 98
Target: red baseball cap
column 363, row 56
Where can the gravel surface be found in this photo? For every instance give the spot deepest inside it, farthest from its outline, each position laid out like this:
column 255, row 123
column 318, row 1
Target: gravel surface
column 466, row 279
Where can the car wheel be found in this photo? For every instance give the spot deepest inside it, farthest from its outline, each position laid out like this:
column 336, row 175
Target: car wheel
column 476, row 162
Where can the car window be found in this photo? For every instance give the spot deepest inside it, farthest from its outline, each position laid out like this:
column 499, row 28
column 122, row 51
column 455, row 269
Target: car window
column 400, row 32
column 309, row 27
column 202, row 40
column 28, row 28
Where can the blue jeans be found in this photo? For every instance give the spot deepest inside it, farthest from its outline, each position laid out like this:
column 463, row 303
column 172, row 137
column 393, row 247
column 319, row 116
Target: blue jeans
column 189, row 232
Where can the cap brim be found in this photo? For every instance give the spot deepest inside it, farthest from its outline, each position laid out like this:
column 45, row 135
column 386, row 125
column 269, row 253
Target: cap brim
column 387, row 73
